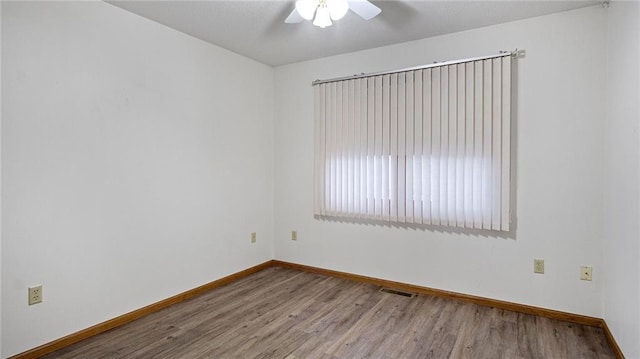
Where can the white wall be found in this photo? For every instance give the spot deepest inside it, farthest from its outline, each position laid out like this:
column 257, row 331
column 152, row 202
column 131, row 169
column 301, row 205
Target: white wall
column 122, row 142
column 136, row 161
column 0, row 178
column 622, row 182
column 559, row 161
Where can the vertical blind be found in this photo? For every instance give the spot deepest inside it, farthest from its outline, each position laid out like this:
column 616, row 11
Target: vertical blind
column 426, row 146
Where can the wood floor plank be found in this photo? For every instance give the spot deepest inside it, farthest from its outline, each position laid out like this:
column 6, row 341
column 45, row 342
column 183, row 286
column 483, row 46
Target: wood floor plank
column 284, row 313
column 465, row 340
column 367, row 334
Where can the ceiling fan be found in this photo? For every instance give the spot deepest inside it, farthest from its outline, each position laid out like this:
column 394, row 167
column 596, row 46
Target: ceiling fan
column 327, row 10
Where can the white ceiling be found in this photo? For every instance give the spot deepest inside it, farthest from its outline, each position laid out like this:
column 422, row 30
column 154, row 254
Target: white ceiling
column 256, row 28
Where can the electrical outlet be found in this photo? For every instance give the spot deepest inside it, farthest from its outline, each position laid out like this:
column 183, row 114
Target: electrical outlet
column 253, row 237
column 538, row 266
column 585, row 273
column 35, row 295
column 294, row 235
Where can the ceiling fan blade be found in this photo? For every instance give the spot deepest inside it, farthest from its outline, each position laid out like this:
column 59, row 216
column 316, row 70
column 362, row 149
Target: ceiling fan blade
column 364, row 9
column 293, row 18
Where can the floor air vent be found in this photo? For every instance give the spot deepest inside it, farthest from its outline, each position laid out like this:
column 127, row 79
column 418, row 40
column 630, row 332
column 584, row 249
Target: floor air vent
column 397, row 292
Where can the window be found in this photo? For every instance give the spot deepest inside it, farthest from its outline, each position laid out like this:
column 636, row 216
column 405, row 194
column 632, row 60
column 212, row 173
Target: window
column 428, row 146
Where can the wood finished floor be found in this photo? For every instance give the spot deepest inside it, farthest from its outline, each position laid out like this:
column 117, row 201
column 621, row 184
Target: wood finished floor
column 284, row 313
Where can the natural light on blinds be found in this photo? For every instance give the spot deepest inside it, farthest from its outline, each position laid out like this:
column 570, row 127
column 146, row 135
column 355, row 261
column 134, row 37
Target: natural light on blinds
column 428, row 146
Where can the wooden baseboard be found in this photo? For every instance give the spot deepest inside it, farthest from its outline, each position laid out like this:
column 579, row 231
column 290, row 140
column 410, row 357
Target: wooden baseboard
column 612, row 340
column 136, row 314
column 520, row 308
column 139, row 313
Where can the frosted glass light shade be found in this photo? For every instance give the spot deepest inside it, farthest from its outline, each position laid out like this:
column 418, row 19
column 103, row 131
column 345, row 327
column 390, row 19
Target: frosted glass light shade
column 337, row 8
column 306, row 8
column 323, row 19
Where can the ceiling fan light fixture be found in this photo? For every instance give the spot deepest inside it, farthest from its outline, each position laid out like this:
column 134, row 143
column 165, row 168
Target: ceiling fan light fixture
column 337, row 8
column 323, row 18
column 322, row 12
column 306, row 8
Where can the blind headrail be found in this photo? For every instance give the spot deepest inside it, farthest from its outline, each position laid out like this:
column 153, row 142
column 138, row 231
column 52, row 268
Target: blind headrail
column 514, row 53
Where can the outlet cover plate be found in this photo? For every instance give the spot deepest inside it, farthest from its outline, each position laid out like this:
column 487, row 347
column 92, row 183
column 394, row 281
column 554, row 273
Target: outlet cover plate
column 538, row 266
column 586, row 273
column 294, row 235
column 253, row 237
column 35, row 294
